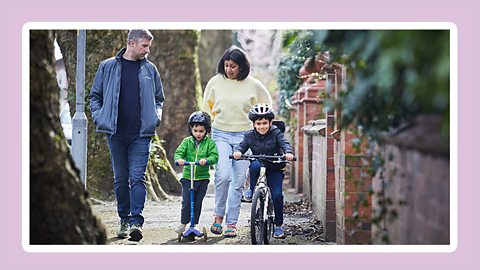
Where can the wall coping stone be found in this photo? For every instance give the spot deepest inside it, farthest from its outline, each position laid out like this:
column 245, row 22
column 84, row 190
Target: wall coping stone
column 311, row 130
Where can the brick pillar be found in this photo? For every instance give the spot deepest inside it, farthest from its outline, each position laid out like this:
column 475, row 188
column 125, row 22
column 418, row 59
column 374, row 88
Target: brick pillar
column 353, row 182
column 293, row 125
column 308, row 105
column 298, row 140
column 330, row 223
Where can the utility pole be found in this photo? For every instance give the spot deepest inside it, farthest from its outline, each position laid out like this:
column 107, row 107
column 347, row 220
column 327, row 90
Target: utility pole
column 79, row 121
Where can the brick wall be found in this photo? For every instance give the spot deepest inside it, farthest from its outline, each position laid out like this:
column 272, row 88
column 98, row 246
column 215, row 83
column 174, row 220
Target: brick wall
column 322, row 180
column 417, row 183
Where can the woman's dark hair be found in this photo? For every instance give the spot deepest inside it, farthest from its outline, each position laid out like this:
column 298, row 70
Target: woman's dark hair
column 238, row 56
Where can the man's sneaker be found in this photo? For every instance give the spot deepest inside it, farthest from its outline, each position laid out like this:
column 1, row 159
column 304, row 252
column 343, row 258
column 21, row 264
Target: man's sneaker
column 123, row 232
column 135, row 232
column 248, row 196
column 278, row 232
column 180, row 228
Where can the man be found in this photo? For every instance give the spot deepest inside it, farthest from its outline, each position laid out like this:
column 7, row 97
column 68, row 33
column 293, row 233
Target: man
column 126, row 103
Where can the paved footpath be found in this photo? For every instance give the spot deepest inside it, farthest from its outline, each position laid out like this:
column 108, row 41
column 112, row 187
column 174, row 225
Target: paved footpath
column 161, row 219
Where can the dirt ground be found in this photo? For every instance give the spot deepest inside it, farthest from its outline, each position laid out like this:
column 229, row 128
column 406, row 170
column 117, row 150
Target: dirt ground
column 161, row 219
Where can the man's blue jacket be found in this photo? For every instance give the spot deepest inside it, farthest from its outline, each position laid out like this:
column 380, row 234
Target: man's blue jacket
column 105, row 93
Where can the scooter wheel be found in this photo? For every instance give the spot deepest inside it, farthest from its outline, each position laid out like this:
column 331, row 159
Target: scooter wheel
column 179, row 237
column 204, row 230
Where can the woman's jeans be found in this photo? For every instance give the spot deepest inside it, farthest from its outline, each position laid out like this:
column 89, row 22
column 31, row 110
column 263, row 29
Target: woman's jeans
column 199, row 191
column 229, row 176
column 129, row 155
column 274, row 181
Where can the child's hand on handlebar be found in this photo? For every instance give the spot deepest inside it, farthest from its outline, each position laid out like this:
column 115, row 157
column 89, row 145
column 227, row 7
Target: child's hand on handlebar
column 180, row 162
column 202, row 162
column 237, row 155
column 289, row 156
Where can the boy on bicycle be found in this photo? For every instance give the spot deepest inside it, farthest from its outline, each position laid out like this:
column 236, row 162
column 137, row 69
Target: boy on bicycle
column 267, row 139
column 196, row 147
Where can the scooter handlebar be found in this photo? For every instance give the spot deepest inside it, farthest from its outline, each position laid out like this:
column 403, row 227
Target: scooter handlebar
column 190, row 163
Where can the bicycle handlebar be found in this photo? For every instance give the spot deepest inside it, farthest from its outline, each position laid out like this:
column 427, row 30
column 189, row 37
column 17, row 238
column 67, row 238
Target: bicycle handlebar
column 191, row 163
column 264, row 157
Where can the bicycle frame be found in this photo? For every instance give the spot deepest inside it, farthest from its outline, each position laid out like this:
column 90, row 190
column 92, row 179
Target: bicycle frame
column 262, row 222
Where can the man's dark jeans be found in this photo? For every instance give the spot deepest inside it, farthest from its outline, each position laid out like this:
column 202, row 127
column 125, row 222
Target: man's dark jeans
column 129, row 155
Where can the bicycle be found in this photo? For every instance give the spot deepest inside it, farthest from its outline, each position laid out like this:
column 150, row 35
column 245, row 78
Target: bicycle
column 262, row 215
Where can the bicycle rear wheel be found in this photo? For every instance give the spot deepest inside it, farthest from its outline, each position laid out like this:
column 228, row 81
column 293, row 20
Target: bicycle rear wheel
column 257, row 223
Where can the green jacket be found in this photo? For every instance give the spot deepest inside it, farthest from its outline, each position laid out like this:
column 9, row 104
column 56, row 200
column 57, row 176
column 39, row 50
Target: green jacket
column 188, row 151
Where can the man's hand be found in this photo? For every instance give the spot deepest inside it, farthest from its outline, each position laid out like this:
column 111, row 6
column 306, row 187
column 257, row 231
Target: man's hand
column 202, row 162
column 237, row 155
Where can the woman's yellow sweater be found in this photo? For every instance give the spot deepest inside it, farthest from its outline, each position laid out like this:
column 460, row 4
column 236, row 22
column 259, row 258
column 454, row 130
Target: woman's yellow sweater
column 229, row 101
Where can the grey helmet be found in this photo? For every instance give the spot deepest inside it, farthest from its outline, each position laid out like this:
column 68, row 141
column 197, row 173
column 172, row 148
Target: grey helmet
column 261, row 110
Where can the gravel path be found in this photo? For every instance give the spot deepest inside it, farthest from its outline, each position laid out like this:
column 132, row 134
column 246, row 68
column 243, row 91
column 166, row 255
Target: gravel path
column 161, row 219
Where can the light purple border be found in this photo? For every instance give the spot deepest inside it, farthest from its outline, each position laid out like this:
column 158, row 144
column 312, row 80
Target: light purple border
column 464, row 13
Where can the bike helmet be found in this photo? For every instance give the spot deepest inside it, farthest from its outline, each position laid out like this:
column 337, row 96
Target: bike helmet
column 261, row 110
column 201, row 118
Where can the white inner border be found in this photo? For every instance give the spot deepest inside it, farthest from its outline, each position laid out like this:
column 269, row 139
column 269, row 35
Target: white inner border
column 242, row 248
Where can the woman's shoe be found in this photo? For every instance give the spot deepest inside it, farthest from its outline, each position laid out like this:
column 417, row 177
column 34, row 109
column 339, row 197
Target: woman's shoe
column 216, row 227
column 231, row 231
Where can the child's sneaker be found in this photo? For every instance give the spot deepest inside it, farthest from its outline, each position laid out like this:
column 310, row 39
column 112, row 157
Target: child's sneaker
column 180, row 228
column 278, row 232
column 248, row 196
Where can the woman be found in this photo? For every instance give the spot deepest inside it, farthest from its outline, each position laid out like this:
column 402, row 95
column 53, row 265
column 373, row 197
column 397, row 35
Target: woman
column 228, row 97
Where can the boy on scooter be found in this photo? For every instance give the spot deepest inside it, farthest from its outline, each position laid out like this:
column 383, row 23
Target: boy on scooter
column 267, row 139
column 196, row 147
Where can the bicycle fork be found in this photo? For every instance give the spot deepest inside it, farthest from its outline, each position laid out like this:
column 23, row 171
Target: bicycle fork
column 266, row 194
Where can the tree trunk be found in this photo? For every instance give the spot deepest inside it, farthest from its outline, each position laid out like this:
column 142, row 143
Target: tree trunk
column 59, row 210
column 175, row 53
column 212, row 45
column 101, row 44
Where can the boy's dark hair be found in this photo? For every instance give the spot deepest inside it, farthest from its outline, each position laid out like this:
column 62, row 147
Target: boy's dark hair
column 278, row 123
column 238, row 56
column 199, row 118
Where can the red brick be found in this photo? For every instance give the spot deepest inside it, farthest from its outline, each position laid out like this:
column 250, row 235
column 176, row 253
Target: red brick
column 331, row 174
column 330, row 194
column 357, row 185
column 356, row 173
column 330, row 205
column 358, row 237
column 331, row 215
column 330, row 162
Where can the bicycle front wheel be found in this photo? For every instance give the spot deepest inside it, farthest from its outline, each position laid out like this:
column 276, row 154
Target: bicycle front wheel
column 257, row 220
column 269, row 220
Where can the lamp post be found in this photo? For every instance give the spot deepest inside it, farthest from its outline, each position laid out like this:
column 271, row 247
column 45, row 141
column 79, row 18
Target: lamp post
column 79, row 121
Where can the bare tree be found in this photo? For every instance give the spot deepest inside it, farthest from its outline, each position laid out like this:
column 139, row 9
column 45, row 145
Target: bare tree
column 175, row 54
column 213, row 44
column 59, row 210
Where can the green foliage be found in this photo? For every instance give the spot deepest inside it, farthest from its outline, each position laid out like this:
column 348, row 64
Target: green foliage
column 393, row 75
column 297, row 46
